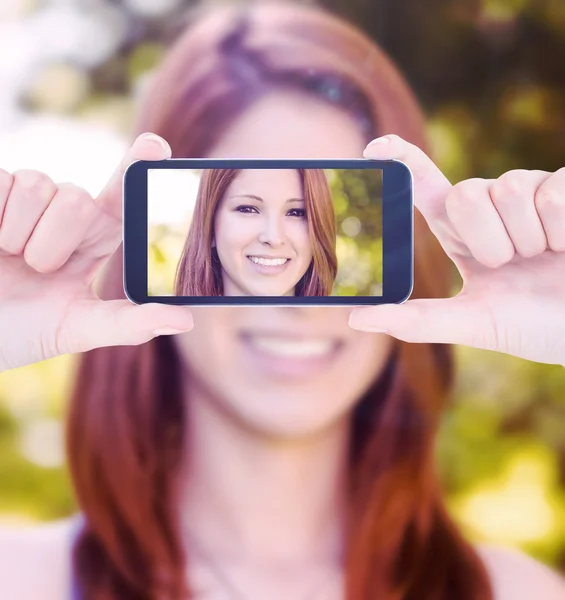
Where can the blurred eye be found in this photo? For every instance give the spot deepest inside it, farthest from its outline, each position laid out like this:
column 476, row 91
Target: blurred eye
column 247, row 209
column 297, row 212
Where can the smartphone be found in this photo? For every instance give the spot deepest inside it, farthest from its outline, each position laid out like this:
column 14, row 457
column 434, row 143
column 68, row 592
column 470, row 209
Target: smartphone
column 270, row 232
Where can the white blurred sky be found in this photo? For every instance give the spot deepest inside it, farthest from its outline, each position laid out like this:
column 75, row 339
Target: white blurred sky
column 81, row 35
column 60, row 32
column 171, row 195
column 64, row 149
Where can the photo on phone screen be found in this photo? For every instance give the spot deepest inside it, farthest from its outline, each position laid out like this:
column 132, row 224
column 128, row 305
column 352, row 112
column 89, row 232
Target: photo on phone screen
column 265, row 232
column 251, row 231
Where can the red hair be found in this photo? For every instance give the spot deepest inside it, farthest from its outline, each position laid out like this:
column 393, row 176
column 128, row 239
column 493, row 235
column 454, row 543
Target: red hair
column 125, row 440
column 199, row 271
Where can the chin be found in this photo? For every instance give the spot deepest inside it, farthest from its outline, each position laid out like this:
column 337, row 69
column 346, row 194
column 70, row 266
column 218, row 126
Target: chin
column 286, row 425
column 271, row 290
column 286, row 415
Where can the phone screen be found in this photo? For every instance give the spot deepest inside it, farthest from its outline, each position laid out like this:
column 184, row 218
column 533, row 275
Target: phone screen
column 264, row 232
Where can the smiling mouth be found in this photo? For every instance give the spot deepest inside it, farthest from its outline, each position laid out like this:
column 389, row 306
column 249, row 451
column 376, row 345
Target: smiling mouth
column 290, row 358
column 268, row 262
column 287, row 347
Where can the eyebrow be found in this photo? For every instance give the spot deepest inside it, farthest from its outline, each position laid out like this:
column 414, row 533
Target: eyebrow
column 259, row 199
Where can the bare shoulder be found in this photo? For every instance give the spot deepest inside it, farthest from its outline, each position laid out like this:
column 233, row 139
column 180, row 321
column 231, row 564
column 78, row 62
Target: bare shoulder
column 35, row 561
column 517, row 576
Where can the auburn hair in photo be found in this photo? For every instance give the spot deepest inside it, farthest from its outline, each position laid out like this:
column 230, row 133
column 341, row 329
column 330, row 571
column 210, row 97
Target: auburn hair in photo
column 125, row 434
column 199, row 272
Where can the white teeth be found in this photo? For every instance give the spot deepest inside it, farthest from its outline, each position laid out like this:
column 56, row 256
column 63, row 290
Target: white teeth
column 293, row 348
column 268, row 262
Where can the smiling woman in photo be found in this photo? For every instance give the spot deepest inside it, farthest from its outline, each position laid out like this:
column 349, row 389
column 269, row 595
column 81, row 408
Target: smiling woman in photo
column 260, row 232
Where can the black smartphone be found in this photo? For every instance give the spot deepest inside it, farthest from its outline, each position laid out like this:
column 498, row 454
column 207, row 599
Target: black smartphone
column 266, row 231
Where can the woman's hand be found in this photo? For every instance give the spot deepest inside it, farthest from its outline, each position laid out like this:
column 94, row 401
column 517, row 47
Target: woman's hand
column 507, row 239
column 54, row 241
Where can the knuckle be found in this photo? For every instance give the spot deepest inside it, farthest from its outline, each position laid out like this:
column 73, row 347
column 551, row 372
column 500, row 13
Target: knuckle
column 461, row 194
column 6, row 181
column 74, row 191
column 549, row 198
column 516, row 177
column 74, row 197
column 505, row 189
column 33, row 183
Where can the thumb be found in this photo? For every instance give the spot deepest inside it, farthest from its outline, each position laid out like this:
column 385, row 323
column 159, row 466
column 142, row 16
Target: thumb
column 431, row 186
column 96, row 323
column 439, row 321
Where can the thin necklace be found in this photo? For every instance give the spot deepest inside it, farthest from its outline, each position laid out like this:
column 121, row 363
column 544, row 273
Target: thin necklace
column 225, row 580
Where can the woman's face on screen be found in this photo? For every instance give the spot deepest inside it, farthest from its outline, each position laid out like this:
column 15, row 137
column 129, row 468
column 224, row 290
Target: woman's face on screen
column 282, row 371
column 261, row 233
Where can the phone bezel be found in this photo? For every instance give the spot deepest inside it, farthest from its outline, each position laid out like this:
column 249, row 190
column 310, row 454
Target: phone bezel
column 397, row 226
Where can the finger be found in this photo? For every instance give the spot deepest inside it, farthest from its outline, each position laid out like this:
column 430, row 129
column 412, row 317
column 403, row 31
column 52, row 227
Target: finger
column 477, row 222
column 512, row 195
column 29, row 197
column 61, row 229
column 147, row 146
column 430, row 184
column 96, row 324
column 105, row 236
column 6, row 182
column 550, row 205
column 440, row 321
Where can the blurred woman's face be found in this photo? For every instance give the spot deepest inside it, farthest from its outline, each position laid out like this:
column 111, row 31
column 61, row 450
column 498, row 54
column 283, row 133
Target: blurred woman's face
column 284, row 372
column 261, row 233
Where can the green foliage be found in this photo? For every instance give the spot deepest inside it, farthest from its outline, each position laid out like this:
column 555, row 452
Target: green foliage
column 500, row 452
column 29, row 491
column 357, row 196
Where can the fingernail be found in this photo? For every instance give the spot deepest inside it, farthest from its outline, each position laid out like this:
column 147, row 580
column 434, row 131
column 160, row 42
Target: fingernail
column 367, row 328
column 382, row 141
column 157, row 139
column 168, row 331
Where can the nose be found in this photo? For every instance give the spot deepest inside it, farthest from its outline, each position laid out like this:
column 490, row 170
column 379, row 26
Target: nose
column 272, row 232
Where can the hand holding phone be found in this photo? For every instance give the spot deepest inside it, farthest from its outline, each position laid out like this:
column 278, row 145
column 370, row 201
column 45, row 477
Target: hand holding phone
column 506, row 237
column 54, row 241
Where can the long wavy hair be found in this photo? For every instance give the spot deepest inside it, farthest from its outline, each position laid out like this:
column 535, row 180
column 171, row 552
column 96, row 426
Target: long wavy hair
column 125, row 434
column 199, row 271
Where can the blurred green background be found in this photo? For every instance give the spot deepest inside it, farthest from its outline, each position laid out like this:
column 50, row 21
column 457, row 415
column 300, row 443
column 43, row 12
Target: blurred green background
column 491, row 78
column 357, row 196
